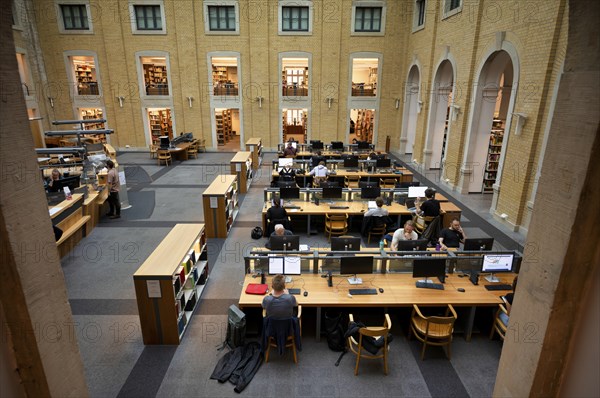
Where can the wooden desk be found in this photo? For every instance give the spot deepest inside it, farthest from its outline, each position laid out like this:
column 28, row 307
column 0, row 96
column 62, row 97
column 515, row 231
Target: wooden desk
column 68, row 216
column 449, row 212
column 180, row 151
column 342, row 173
column 399, row 291
column 334, row 154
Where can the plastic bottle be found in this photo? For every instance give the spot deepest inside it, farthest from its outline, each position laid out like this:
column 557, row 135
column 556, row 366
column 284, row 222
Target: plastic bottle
column 381, row 244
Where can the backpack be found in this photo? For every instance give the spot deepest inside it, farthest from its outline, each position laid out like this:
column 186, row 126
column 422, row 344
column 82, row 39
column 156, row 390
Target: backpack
column 335, row 332
column 257, row 233
column 236, row 328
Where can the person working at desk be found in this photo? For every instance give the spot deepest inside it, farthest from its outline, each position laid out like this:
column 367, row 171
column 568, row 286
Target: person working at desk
column 287, row 173
column 378, row 211
column 289, row 150
column 113, row 183
column 318, row 158
column 280, row 304
column 406, row 233
column 279, row 231
column 430, row 207
column 320, row 172
column 276, row 212
column 451, row 237
column 55, row 176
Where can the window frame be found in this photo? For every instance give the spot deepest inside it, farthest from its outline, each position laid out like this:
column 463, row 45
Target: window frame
column 154, row 98
column 133, row 17
column 446, row 13
column 416, row 13
column 222, row 3
column 146, row 18
column 368, row 4
column 61, row 19
column 72, row 79
column 294, row 4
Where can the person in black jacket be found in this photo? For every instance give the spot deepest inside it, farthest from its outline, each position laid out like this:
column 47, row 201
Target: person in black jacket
column 430, row 207
column 276, row 212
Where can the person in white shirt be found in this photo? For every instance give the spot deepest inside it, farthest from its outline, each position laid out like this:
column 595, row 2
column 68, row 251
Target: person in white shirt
column 320, row 172
column 379, row 211
column 406, row 233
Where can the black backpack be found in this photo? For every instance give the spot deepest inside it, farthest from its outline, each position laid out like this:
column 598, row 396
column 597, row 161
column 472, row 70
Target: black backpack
column 257, row 233
column 236, row 328
column 334, row 330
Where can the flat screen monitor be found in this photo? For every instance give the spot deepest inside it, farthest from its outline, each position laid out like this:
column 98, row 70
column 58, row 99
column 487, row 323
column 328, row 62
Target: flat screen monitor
column 383, row 163
column 368, row 184
column 285, row 162
column 408, row 184
column 351, row 161
column 317, row 145
column 479, row 244
column 337, row 145
column 406, row 245
column 286, row 184
column 416, row 192
column 332, row 193
column 497, row 263
column 517, row 264
column 345, row 244
column 363, row 145
column 370, row 193
column 356, row 265
column 276, row 265
column 289, row 193
column 59, row 185
column 285, row 242
column 291, row 265
column 429, row 267
column 164, row 141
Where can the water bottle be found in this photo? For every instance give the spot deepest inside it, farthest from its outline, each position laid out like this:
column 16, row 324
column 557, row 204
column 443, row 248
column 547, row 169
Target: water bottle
column 381, row 244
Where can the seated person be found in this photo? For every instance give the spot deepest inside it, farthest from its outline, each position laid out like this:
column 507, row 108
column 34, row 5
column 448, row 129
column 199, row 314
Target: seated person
column 374, row 156
column 318, row 158
column 287, row 173
column 430, row 207
column 289, row 150
column 279, row 231
column 276, row 212
column 320, row 172
column 452, row 236
column 508, row 299
column 280, row 303
column 50, row 186
column 406, row 233
column 379, row 211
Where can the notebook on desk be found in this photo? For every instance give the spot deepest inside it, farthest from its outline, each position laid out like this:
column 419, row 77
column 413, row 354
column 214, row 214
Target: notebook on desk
column 372, row 205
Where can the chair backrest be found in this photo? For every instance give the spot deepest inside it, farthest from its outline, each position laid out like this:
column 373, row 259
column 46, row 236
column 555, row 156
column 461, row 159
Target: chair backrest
column 336, row 217
column 433, row 321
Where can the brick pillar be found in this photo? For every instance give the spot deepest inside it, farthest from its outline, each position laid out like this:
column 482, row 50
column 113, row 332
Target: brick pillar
column 36, row 311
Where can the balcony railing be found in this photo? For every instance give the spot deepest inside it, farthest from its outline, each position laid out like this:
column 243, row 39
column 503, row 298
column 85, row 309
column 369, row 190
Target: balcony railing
column 294, row 90
column 157, row 89
column 89, row 88
column 364, row 90
column 226, row 89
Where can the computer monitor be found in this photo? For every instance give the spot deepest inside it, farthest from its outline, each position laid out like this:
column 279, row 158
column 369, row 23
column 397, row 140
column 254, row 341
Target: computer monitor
column 345, row 244
column 316, row 145
column 337, row 145
column 407, row 245
column 71, row 182
column 285, row 162
column 54, row 198
column 363, row 145
column 332, row 193
column 286, row 184
column 164, row 142
column 276, row 265
column 351, row 161
column 285, row 242
column 416, row 192
column 496, row 263
column 356, row 265
column 370, row 193
column 383, row 163
column 284, row 265
column 479, row 244
column 429, row 267
column 368, row 184
column 289, row 193
column 408, row 184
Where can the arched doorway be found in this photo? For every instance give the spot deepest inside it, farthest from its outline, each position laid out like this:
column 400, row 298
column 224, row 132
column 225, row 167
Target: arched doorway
column 439, row 116
column 411, row 111
column 487, row 139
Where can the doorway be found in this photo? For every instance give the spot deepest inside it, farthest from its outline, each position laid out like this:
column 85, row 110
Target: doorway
column 361, row 125
column 160, row 124
column 439, row 116
column 411, row 111
column 294, row 122
column 227, row 125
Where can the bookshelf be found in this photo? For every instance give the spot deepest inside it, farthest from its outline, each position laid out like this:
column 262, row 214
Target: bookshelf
column 254, row 145
column 224, row 126
column 241, row 166
column 493, row 156
column 92, row 114
column 221, row 206
column 224, row 80
column 86, row 79
column 363, row 128
column 155, row 77
column 295, row 82
column 169, row 284
column 160, row 124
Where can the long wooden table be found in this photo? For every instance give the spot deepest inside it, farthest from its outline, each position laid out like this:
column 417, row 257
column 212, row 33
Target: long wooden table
column 406, row 176
column 399, row 291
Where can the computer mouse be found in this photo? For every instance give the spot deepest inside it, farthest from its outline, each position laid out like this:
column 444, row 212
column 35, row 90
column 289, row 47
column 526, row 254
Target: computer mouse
column 305, row 293
column 362, row 211
column 380, row 290
column 460, row 289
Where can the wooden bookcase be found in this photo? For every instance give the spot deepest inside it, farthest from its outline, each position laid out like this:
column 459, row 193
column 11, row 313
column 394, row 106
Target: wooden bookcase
column 224, row 126
column 155, row 77
column 364, row 125
column 160, row 124
column 86, row 80
column 169, row 285
column 254, row 145
column 220, row 203
column 493, row 156
column 241, row 166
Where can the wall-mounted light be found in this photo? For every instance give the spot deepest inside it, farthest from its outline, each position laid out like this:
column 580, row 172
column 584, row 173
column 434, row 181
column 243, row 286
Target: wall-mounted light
column 259, row 100
column 397, row 105
column 190, row 99
column 329, row 102
column 521, row 119
column 419, row 106
column 454, row 109
column 51, row 99
column 121, row 99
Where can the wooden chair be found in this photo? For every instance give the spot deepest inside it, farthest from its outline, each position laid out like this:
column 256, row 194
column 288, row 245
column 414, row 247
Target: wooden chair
column 336, row 224
column 433, row 330
column 352, row 181
column 500, row 321
column 387, row 182
column 379, row 228
column 164, row 156
column 421, row 223
column 375, row 332
column 192, row 150
column 153, row 149
column 290, row 341
column 202, row 145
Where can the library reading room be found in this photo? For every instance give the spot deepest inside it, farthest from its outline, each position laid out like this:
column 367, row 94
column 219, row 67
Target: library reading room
column 351, row 198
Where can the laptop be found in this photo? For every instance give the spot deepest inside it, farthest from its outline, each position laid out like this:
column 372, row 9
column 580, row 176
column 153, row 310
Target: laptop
column 410, row 205
column 372, row 205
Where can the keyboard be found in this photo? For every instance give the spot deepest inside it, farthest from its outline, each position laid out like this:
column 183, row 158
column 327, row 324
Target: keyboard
column 292, row 207
column 294, row 291
column 498, row 287
column 339, row 207
column 437, row 286
column 362, row 291
column 352, row 170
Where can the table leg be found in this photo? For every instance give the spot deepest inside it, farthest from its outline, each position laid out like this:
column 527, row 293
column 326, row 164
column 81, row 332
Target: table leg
column 470, row 322
column 318, row 331
column 308, row 225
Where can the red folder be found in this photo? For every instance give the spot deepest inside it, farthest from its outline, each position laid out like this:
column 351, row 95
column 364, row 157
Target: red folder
column 257, row 288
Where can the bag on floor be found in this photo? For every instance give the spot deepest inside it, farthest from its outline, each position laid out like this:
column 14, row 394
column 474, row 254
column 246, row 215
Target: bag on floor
column 257, row 233
column 236, row 327
column 334, row 330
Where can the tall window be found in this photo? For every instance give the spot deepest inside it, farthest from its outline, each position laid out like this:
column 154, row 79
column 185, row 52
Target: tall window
column 294, row 19
column 221, row 18
column 452, row 5
column 148, row 17
column 419, row 13
column 367, row 19
column 74, row 16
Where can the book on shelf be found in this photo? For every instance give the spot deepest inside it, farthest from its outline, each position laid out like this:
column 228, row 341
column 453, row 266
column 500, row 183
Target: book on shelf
column 191, row 301
column 203, row 275
column 176, row 285
column 181, row 272
column 181, row 324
